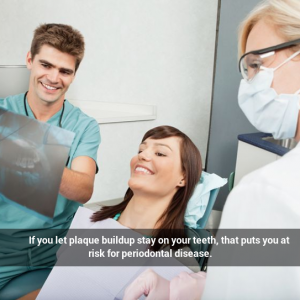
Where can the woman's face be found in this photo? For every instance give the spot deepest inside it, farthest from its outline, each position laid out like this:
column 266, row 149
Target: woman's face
column 287, row 77
column 157, row 170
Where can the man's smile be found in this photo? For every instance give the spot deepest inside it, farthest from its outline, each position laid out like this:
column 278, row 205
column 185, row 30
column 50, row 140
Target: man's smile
column 49, row 87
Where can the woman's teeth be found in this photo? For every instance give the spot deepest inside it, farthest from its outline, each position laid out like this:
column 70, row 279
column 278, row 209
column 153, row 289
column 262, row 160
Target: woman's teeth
column 140, row 169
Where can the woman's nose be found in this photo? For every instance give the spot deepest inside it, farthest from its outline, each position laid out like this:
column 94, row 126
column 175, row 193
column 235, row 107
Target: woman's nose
column 144, row 155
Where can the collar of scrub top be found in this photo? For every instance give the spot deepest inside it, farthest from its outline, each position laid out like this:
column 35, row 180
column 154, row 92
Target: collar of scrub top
column 269, row 49
column 60, row 119
column 61, row 115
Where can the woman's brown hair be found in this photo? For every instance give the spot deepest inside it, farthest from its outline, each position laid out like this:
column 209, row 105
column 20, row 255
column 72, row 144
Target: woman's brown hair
column 172, row 219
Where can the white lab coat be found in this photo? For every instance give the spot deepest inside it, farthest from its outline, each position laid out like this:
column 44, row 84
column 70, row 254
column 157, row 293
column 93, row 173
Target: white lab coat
column 266, row 198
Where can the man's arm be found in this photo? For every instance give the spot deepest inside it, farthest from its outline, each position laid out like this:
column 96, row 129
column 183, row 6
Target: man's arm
column 77, row 183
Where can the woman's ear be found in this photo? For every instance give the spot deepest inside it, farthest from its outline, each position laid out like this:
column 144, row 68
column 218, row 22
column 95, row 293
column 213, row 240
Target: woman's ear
column 181, row 182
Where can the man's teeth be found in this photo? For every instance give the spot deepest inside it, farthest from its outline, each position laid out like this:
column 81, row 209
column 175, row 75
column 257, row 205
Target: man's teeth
column 49, row 87
column 140, row 169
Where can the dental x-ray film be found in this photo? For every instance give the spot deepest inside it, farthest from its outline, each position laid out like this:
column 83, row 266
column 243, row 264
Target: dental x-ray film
column 33, row 155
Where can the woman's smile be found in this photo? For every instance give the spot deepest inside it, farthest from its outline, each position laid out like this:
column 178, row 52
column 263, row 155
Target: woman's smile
column 139, row 169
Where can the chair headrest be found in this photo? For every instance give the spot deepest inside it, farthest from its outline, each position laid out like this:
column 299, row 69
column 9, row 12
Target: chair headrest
column 198, row 202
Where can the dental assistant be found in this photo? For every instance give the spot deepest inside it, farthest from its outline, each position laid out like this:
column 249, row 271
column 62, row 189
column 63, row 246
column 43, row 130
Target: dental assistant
column 269, row 197
column 53, row 60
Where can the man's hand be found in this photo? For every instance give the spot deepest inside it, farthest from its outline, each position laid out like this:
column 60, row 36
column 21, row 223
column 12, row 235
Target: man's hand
column 77, row 184
column 150, row 284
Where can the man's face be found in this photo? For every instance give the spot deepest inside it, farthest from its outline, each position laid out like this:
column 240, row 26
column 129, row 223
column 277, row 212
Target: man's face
column 52, row 72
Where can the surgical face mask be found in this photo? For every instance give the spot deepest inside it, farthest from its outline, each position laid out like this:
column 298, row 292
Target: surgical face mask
column 267, row 111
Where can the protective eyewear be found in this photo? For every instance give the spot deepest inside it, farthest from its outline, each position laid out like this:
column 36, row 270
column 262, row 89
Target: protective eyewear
column 252, row 62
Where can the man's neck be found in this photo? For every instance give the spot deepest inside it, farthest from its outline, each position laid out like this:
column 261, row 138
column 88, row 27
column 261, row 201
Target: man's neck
column 43, row 110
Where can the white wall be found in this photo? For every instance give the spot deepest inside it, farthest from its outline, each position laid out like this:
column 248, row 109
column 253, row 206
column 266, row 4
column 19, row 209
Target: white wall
column 158, row 52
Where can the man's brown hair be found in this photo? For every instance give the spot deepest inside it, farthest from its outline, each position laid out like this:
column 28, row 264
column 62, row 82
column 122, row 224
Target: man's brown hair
column 61, row 37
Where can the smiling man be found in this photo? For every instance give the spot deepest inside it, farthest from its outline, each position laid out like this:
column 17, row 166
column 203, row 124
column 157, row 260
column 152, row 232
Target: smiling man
column 55, row 55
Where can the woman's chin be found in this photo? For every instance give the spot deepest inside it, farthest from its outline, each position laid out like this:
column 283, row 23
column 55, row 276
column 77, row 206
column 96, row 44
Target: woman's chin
column 135, row 185
column 138, row 181
column 139, row 187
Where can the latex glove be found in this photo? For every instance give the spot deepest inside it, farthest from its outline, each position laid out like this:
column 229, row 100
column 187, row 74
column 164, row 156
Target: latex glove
column 187, row 286
column 150, row 284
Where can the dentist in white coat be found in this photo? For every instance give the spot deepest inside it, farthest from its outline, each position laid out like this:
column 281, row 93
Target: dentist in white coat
column 268, row 198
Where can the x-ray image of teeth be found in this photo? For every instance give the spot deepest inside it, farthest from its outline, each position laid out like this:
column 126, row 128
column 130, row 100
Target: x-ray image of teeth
column 33, row 155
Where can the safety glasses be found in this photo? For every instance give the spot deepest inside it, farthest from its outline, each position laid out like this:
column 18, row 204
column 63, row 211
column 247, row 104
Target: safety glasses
column 251, row 62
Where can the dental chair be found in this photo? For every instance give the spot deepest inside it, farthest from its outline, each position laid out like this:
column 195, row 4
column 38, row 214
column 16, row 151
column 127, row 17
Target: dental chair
column 202, row 232
column 212, row 199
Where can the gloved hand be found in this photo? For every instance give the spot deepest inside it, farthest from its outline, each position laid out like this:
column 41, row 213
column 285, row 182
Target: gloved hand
column 150, row 284
column 187, row 284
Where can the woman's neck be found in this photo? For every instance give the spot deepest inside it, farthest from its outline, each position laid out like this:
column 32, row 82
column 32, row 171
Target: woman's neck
column 143, row 212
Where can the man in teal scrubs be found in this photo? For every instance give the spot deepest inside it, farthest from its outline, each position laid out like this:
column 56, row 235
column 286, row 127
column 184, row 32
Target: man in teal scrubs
column 55, row 54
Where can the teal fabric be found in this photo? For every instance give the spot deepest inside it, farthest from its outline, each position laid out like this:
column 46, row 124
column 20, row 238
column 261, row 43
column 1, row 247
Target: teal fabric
column 117, row 216
column 231, row 181
column 86, row 143
column 213, row 196
column 24, row 284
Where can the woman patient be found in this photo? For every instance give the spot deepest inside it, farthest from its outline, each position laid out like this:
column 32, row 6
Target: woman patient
column 164, row 174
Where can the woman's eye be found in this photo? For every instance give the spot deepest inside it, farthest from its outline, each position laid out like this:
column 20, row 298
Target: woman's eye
column 140, row 151
column 255, row 65
column 160, row 154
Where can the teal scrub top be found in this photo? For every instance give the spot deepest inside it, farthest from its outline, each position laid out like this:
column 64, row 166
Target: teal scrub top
column 86, row 143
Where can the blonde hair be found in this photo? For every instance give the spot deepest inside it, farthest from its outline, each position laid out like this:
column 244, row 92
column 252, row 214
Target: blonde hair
column 283, row 14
